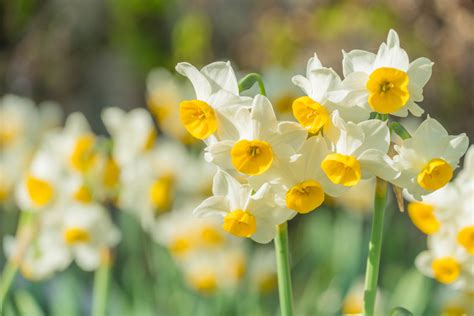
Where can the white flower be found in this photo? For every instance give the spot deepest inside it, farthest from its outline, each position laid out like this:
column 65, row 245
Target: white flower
column 87, row 232
column 133, row 133
column 261, row 141
column 217, row 99
column 300, row 184
column 386, row 82
column 164, row 93
column 358, row 151
column 447, row 262
column 313, row 110
column 245, row 214
column 38, row 188
column 427, row 160
column 263, row 271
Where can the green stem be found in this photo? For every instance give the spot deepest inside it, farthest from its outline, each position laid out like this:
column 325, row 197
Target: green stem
column 248, row 81
column 375, row 247
column 283, row 266
column 8, row 275
column 101, row 282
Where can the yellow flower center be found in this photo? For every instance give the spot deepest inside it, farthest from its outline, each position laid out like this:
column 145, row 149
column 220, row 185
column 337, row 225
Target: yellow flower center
column 76, row 235
column 446, row 270
column 10, row 130
column 40, row 191
column 252, row 157
column 211, row 236
column 83, row 195
column 111, row 173
column 161, row 192
column 238, row 268
column 198, row 118
column 353, row 305
column 305, row 196
column 342, row 169
column 180, row 246
column 240, row 223
column 5, row 187
column 150, row 140
column 82, row 157
column 283, row 103
column 436, row 174
column 388, row 90
column 205, row 283
column 466, row 238
column 423, row 217
column 267, row 283
column 310, row 114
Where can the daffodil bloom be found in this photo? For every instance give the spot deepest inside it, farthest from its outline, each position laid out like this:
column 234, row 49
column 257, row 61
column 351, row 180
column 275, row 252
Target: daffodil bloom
column 86, row 232
column 313, row 110
column 447, row 262
column 261, row 140
column 164, row 93
column 39, row 187
column 428, row 159
column 245, row 214
column 133, row 133
column 300, row 184
column 357, row 151
column 217, row 99
column 385, row 82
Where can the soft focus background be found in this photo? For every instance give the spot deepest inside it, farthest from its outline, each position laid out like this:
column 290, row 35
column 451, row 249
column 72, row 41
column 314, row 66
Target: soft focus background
column 87, row 55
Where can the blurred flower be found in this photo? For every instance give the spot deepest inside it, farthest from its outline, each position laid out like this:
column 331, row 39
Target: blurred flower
column 263, row 271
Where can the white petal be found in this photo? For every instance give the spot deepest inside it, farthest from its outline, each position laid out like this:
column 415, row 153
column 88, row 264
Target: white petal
column 263, row 117
column 87, row 257
column 376, row 163
column 201, row 85
column 423, row 262
column 112, row 118
column 214, row 205
column 419, row 71
column 323, row 80
column 376, row 135
column 303, row 83
column 357, row 60
column 219, row 154
column 222, row 76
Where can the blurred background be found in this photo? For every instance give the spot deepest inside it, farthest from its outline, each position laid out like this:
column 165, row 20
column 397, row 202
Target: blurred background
column 88, row 55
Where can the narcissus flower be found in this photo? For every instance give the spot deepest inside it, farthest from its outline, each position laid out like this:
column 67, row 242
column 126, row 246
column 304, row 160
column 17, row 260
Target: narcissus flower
column 358, row 151
column 132, row 133
column 313, row 110
column 261, row 141
column 245, row 214
column 217, row 99
column 428, row 159
column 300, row 184
column 385, row 82
column 447, row 262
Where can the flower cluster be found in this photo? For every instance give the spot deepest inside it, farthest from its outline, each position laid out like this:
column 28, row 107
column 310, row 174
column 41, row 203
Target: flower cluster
column 62, row 193
column 446, row 217
column 270, row 170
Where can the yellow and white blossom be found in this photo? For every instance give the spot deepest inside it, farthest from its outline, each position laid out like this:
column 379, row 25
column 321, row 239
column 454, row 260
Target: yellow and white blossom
column 313, row 111
column 164, row 93
column 428, row 159
column 385, row 82
column 244, row 213
column 217, row 100
column 447, row 262
column 300, row 184
column 38, row 188
column 133, row 133
column 261, row 141
column 358, row 151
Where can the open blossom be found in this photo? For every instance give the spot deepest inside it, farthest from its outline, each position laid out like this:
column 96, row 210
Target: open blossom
column 217, row 99
column 313, row 111
column 358, row 151
column 385, row 82
column 428, row 159
column 133, row 133
column 245, row 214
column 300, row 184
column 260, row 142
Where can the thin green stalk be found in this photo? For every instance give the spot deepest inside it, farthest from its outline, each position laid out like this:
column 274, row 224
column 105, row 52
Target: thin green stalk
column 248, row 81
column 8, row 275
column 375, row 247
column 101, row 284
column 283, row 267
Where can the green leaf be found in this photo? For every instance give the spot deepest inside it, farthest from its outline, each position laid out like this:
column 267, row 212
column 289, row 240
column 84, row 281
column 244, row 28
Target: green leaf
column 400, row 130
